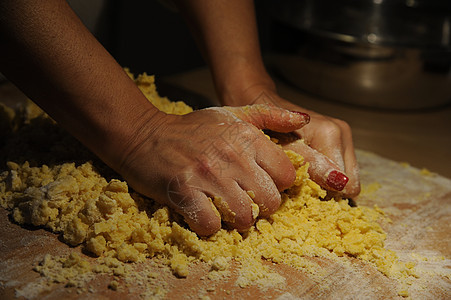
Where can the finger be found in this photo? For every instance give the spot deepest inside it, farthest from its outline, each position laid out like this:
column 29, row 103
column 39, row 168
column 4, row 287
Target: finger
column 273, row 160
column 352, row 189
column 336, row 143
column 262, row 190
column 322, row 169
column 328, row 141
column 234, row 204
column 264, row 116
column 194, row 206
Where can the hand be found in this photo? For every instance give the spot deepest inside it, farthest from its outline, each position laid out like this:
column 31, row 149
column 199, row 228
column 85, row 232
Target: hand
column 212, row 154
column 326, row 143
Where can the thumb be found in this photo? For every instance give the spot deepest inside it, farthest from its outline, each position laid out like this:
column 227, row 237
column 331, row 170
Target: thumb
column 264, row 116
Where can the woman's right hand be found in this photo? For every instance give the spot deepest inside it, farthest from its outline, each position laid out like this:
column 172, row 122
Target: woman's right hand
column 214, row 154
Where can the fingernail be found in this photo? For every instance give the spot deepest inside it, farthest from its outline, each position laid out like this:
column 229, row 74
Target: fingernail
column 304, row 115
column 337, row 180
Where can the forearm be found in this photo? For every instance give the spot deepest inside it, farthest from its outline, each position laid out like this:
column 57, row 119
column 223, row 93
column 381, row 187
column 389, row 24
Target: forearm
column 48, row 53
column 226, row 33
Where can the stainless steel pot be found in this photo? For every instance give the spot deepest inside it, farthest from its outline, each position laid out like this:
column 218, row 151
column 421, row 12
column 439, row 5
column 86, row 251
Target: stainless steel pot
column 387, row 54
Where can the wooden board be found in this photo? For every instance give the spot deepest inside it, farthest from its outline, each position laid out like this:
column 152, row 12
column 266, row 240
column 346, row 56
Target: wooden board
column 419, row 205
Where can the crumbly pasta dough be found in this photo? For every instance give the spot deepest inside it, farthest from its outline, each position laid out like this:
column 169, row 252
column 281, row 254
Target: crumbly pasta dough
column 68, row 191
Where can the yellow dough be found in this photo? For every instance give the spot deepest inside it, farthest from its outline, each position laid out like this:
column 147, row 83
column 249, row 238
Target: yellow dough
column 76, row 199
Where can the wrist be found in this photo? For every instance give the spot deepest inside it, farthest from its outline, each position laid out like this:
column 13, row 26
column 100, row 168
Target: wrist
column 237, row 82
column 144, row 128
column 251, row 91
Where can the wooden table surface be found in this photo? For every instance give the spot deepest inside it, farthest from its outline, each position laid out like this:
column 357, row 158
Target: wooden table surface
column 418, row 204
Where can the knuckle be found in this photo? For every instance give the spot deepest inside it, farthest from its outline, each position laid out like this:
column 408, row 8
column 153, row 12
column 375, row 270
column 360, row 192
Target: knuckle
column 245, row 138
column 331, row 129
column 204, row 167
column 181, row 183
column 245, row 129
column 343, row 125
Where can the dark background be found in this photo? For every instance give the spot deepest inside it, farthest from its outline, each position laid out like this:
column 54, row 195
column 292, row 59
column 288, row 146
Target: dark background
column 151, row 36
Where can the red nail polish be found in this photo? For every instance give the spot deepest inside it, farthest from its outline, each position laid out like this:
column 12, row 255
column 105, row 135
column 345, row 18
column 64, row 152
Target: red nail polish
column 304, row 115
column 337, row 180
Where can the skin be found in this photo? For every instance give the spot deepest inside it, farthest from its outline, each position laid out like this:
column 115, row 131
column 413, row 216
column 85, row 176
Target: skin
column 48, row 53
column 226, row 165
column 226, row 32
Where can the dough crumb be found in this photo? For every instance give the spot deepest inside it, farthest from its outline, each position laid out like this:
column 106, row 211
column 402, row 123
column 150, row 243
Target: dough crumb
column 60, row 185
column 220, row 263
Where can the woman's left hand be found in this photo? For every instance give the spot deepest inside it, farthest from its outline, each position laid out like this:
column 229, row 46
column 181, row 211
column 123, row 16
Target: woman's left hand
column 325, row 143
